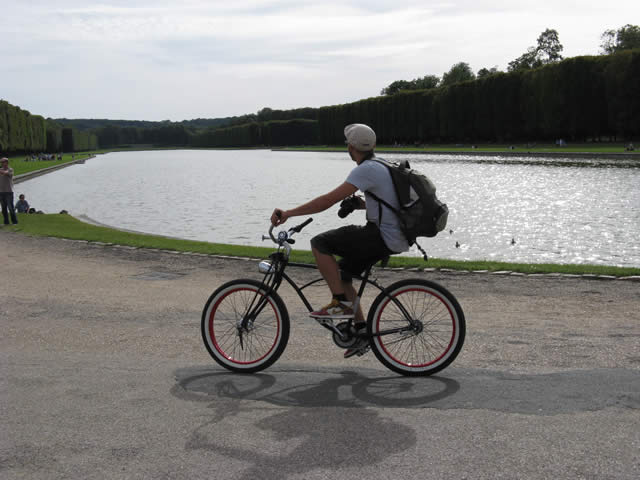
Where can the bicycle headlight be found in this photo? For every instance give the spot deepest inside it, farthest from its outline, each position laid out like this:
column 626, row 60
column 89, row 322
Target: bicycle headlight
column 265, row 267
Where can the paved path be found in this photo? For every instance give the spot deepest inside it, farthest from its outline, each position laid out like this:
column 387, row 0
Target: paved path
column 103, row 375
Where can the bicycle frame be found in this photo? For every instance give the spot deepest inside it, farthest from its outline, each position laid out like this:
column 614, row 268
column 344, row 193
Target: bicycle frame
column 275, row 274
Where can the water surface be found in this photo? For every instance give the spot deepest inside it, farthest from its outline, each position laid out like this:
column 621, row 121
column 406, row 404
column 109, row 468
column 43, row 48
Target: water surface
column 555, row 210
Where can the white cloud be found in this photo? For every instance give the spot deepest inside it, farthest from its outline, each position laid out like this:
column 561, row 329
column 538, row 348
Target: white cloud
column 164, row 59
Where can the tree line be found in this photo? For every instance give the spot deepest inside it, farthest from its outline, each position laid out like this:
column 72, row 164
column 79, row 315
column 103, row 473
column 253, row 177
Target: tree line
column 580, row 98
column 590, row 98
column 268, row 127
column 541, row 97
column 22, row 132
column 298, row 131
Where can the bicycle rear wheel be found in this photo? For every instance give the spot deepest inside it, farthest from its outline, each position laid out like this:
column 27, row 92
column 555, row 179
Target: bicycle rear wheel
column 435, row 338
column 261, row 343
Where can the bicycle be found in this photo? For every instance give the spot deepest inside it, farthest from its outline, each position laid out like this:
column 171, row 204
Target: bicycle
column 415, row 327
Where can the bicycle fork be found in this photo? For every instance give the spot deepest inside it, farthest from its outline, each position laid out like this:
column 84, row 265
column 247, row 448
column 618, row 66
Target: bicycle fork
column 245, row 323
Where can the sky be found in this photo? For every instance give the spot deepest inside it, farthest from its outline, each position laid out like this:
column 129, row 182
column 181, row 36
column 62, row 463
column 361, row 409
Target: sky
column 180, row 60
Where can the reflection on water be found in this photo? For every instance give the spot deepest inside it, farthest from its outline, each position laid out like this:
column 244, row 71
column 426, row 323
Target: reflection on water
column 555, row 210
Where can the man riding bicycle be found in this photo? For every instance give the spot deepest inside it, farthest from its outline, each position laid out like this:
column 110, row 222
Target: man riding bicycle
column 358, row 246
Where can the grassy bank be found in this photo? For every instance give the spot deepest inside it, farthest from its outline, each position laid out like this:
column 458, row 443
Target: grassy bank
column 65, row 226
column 21, row 166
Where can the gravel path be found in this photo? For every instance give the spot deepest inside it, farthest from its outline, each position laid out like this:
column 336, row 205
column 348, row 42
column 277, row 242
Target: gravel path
column 103, row 375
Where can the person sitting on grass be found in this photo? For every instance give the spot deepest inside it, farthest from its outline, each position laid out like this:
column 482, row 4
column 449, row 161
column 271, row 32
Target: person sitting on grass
column 22, row 206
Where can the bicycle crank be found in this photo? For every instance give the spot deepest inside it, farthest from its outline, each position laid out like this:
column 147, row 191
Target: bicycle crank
column 344, row 335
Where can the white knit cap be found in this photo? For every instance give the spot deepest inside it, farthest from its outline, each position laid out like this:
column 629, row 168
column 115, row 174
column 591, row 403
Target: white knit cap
column 361, row 136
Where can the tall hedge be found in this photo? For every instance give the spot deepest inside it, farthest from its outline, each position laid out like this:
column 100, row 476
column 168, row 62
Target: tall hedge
column 579, row 98
column 21, row 132
column 54, row 137
column 271, row 133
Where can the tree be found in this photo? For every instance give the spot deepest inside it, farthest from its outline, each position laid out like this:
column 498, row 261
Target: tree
column 485, row 72
column 424, row 83
column 265, row 114
column 625, row 38
column 460, row 72
column 526, row 61
column 547, row 51
column 549, row 47
column 395, row 87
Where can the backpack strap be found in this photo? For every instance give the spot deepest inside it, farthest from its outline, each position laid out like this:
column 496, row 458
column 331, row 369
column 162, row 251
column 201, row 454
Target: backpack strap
column 378, row 199
column 380, row 203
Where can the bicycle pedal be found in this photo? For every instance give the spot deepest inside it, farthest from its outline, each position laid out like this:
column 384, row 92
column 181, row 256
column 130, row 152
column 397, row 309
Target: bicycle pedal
column 324, row 321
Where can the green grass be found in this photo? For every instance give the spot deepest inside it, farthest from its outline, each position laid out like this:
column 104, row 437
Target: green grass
column 20, row 166
column 66, row 226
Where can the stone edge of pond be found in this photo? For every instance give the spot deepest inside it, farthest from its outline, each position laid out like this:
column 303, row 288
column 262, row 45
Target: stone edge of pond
column 507, row 153
column 586, row 276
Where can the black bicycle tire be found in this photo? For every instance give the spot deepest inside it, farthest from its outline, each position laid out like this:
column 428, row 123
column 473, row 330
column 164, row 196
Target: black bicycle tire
column 279, row 344
column 440, row 294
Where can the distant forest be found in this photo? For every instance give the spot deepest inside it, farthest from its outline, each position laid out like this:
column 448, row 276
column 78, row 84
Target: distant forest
column 588, row 98
column 265, row 114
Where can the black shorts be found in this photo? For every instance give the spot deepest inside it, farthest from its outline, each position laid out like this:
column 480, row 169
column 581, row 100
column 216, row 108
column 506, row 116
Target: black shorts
column 359, row 247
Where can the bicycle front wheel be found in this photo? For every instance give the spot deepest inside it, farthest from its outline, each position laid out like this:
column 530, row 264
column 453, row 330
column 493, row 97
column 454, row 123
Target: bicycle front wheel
column 426, row 344
column 260, row 342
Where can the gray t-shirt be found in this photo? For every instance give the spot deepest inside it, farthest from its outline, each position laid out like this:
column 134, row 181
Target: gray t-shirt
column 374, row 177
column 6, row 182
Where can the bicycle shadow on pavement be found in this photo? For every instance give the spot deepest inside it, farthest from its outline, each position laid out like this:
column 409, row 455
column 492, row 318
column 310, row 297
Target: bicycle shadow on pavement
column 314, row 387
column 537, row 394
column 293, row 420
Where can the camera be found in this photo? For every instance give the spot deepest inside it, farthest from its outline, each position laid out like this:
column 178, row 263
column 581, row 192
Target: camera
column 347, row 206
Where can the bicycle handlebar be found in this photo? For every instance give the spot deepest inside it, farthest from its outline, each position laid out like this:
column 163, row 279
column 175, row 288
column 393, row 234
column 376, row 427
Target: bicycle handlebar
column 302, row 225
column 285, row 236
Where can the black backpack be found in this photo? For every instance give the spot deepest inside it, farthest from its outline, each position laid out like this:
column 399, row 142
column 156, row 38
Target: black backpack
column 421, row 214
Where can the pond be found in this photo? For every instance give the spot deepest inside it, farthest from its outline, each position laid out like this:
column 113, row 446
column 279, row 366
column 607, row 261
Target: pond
column 533, row 210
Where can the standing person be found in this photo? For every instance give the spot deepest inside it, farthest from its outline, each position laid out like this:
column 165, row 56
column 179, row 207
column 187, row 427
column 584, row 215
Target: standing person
column 6, row 192
column 22, row 206
column 359, row 246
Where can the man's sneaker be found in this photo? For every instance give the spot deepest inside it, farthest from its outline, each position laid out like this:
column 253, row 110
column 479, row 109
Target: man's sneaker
column 361, row 346
column 336, row 309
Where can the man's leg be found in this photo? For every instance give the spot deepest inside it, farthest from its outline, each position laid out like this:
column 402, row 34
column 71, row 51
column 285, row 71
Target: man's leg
column 351, row 294
column 12, row 209
column 3, row 203
column 340, row 306
column 329, row 270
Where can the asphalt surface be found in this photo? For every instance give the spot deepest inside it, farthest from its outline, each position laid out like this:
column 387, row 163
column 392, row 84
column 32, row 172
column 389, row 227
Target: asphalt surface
column 103, row 374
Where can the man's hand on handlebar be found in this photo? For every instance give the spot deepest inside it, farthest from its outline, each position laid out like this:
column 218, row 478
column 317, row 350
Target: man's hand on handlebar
column 278, row 217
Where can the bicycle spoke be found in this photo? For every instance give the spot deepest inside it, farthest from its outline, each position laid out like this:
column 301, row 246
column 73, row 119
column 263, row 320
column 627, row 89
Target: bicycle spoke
column 259, row 337
column 433, row 336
